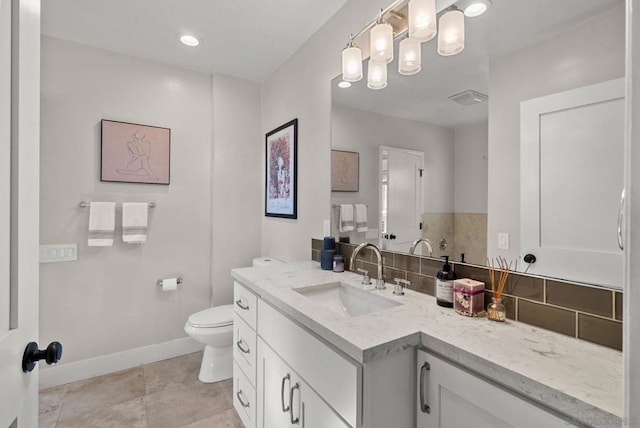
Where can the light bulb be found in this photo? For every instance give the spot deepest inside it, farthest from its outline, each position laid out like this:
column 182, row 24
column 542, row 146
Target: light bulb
column 422, row 20
column 189, row 40
column 351, row 64
column 376, row 75
column 409, row 57
column 451, row 34
column 381, row 48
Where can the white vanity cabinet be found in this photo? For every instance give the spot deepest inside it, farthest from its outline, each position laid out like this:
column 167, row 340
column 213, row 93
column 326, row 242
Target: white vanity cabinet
column 284, row 399
column 451, row 397
column 245, row 354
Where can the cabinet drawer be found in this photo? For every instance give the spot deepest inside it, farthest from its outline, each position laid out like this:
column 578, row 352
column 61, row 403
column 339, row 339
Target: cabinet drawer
column 244, row 348
column 244, row 398
column 245, row 303
column 332, row 376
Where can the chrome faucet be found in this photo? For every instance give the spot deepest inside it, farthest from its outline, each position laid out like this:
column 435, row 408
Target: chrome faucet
column 376, row 250
column 417, row 242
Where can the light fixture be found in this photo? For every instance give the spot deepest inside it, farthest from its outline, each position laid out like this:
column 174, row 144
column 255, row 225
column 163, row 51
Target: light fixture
column 351, row 62
column 473, row 8
column 409, row 57
column 189, row 40
column 422, row 20
column 344, row 84
column 381, row 48
column 376, row 75
column 451, row 34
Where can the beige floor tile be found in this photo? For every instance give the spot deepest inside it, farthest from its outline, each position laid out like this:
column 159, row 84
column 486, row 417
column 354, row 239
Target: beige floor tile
column 49, row 405
column 184, row 404
column 89, row 396
column 129, row 414
column 227, row 419
column 175, row 371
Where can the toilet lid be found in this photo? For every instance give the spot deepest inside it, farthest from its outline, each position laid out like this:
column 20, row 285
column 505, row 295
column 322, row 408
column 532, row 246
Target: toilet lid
column 218, row 316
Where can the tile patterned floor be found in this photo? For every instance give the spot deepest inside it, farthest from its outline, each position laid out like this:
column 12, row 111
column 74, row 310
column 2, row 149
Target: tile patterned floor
column 166, row 394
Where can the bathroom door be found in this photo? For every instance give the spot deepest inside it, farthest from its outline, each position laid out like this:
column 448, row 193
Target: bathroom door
column 19, row 180
column 400, row 196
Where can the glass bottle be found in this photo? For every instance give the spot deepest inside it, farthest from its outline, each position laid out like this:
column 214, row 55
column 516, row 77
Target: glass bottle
column 496, row 310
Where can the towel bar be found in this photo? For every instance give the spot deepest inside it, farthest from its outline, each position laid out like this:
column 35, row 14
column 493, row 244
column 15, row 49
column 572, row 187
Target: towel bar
column 85, row 204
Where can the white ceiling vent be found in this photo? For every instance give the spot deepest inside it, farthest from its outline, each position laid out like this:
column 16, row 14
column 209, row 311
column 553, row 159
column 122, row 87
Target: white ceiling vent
column 469, row 97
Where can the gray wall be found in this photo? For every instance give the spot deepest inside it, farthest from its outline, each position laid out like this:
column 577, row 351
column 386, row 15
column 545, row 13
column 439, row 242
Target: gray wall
column 588, row 53
column 108, row 300
column 471, row 168
column 364, row 132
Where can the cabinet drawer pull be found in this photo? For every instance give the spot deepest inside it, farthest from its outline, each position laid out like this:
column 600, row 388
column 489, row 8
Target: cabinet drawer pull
column 239, row 394
column 285, row 409
column 241, row 305
column 424, row 407
column 241, row 346
column 295, row 420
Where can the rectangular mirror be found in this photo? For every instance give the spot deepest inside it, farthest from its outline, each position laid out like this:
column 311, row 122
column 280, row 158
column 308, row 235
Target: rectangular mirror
column 440, row 150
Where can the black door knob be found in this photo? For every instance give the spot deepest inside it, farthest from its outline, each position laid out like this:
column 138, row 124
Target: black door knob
column 32, row 355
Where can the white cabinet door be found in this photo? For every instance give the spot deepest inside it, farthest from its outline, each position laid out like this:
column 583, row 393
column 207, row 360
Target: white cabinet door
column 572, row 176
column 450, row 397
column 286, row 400
column 274, row 390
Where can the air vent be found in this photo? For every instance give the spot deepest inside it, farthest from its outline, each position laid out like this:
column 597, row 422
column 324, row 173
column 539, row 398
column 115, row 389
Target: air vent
column 469, row 97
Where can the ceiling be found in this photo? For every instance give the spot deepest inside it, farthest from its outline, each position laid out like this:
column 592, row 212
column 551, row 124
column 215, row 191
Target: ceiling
column 508, row 26
column 247, row 38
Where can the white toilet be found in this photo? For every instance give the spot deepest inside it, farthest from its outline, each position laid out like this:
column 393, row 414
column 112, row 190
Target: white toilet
column 213, row 327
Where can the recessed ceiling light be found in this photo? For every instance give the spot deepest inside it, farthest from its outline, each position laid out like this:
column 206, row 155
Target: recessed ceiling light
column 189, row 40
column 473, row 8
column 344, row 85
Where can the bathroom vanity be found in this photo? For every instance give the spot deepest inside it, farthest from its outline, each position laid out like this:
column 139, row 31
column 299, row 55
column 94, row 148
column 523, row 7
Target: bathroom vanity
column 314, row 348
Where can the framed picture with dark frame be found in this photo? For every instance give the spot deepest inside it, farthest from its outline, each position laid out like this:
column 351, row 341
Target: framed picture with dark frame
column 134, row 153
column 345, row 171
column 281, row 199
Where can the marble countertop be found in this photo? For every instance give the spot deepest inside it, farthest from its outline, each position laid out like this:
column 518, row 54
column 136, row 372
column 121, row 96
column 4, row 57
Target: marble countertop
column 577, row 378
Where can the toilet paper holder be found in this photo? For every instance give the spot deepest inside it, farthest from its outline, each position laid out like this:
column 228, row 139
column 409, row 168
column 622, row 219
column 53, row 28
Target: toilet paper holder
column 160, row 281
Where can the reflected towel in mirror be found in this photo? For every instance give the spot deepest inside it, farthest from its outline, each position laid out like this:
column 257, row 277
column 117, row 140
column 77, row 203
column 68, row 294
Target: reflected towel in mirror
column 361, row 218
column 346, row 218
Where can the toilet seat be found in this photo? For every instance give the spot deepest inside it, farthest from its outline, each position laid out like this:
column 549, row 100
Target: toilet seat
column 218, row 316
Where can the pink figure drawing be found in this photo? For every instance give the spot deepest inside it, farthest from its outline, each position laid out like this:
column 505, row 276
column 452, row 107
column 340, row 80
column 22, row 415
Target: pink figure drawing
column 140, row 152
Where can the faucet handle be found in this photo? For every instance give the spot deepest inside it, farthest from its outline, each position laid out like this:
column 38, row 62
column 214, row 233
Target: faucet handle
column 366, row 279
column 398, row 289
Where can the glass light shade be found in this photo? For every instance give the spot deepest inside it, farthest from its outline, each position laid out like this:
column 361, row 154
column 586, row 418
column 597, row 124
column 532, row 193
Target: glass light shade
column 376, row 75
column 351, row 64
column 422, row 20
column 381, row 48
column 409, row 57
column 451, row 34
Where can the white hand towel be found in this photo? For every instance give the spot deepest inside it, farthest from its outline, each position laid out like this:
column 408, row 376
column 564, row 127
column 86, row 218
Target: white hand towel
column 134, row 222
column 102, row 220
column 361, row 218
column 346, row 218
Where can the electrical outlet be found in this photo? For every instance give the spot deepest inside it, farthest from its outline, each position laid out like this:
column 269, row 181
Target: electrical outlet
column 503, row 241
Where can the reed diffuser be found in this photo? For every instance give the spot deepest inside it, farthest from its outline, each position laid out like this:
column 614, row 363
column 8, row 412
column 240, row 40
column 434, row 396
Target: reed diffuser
column 496, row 310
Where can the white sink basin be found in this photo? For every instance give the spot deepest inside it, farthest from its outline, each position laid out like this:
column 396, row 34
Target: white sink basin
column 345, row 300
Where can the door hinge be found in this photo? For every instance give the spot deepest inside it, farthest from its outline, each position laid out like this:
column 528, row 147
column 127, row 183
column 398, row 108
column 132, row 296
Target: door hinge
column 420, row 226
column 420, row 170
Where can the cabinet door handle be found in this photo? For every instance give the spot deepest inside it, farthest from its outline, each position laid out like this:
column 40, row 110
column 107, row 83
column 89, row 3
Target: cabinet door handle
column 241, row 305
column 424, row 407
column 620, row 217
column 295, row 420
column 239, row 394
column 241, row 346
column 285, row 409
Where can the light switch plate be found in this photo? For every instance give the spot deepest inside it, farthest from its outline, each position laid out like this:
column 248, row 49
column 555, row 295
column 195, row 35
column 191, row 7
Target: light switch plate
column 503, row 241
column 58, row 253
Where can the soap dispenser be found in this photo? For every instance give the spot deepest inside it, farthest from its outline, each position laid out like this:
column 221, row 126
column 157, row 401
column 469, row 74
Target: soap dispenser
column 444, row 285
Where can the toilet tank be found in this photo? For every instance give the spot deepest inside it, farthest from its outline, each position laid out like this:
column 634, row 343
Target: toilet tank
column 266, row 261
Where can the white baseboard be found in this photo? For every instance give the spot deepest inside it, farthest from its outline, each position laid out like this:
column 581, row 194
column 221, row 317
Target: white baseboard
column 105, row 364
